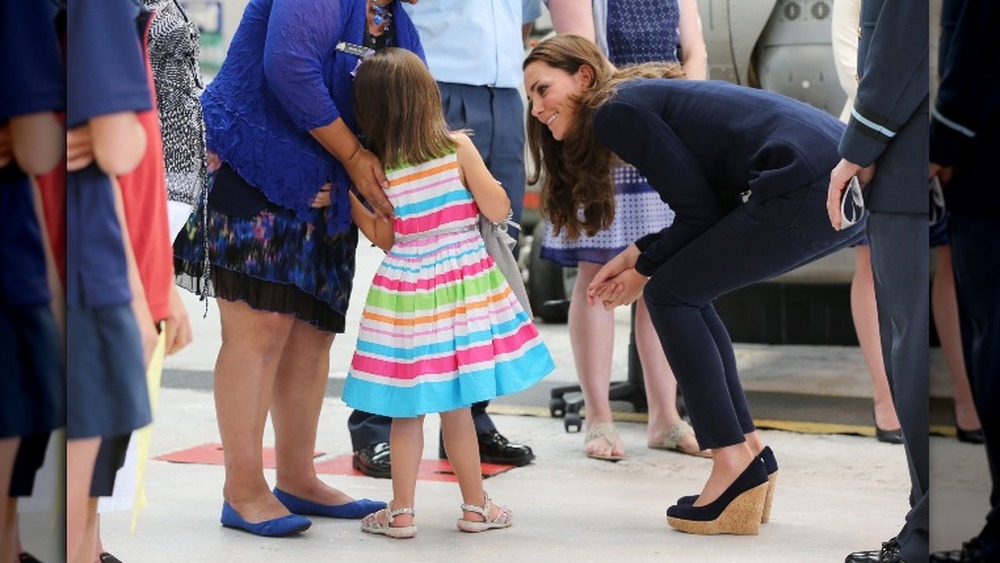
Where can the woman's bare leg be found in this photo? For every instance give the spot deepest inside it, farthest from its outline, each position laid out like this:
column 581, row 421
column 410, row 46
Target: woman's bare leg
column 865, row 315
column 252, row 343
column 299, row 389
column 591, row 335
column 661, row 387
column 944, row 304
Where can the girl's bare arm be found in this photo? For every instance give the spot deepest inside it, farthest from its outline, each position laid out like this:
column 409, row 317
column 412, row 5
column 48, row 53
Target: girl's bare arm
column 488, row 193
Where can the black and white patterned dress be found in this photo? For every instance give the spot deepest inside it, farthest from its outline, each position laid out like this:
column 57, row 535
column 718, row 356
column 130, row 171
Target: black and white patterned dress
column 173, row 52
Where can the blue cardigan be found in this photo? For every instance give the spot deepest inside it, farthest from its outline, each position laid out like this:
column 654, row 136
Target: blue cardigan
column 282, row 77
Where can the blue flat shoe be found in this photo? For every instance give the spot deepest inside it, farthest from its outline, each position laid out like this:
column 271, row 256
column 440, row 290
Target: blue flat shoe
column 273, row 528
column 353, row 510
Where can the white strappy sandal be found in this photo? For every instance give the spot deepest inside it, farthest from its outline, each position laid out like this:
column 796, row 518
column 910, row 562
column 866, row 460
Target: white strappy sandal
column 504, row 517
column 372, row 525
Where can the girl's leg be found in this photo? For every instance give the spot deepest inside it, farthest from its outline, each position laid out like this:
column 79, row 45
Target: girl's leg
column 865, row 315
column 299, row 388
column 944, row 305
column 80, row 457
column 8, row 534
column 591, row 335
column 661, row 386
column 463, row 453
column 252, row 342
column 406, row 448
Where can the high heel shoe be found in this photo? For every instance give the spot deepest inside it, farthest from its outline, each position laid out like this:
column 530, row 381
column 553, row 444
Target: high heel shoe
column 738, row 509
column 970, row 436
column 771, row 466
column 885, row 435
column 274, row 528
column 354, row 509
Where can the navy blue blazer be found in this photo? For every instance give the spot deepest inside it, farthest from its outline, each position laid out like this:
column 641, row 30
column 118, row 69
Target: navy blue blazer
column 965, row 124
column 703, row 144
column 888, row 124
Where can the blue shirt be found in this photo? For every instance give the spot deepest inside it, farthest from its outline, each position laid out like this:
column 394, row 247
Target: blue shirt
column 106, row 74
column 471, row 42
column 32, row 73
column 283, row 75
column 32, row 82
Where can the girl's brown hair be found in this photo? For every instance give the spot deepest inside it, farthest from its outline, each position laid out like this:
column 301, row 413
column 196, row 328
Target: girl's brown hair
column 577, row 191
column 398, row 107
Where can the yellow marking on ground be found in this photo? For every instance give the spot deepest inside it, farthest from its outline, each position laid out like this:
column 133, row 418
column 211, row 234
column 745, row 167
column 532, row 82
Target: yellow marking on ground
column 800, row 427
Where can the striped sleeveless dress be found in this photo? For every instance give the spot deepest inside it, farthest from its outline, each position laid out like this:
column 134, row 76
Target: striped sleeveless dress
column 441, row 329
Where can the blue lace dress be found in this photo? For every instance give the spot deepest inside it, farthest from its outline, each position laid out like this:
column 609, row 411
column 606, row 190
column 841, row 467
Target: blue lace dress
column 254, row 237
column 638, row 31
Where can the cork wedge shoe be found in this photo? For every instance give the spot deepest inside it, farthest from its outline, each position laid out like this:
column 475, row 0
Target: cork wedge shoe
column 737, row 511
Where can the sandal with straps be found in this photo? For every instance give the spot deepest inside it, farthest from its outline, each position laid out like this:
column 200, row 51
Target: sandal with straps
column 672, row 440
column 504, row 517
column 372, row 525
column 604, row 431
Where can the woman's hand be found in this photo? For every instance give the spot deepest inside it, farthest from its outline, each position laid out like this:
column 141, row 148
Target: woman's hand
column 79, row 148
column 605, row 282
column 840, row 176
column 213, row 161
column 623, row 289
column 323, row 197
column 367, row 175
column 177, row 324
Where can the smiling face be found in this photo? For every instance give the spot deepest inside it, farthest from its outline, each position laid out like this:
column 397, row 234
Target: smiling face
column 552, row 94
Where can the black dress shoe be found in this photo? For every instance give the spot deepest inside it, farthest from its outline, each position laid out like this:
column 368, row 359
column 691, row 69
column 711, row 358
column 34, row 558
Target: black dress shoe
column 26, row 557
column 494, row 448
column 970, row 553
column 108, row 558
column 374, row 461
column 970, row 436
column 888, row 554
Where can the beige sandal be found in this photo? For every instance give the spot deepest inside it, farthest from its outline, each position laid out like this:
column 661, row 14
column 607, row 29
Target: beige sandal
column 672, row 440
column 607, row 432
column 372, row 525
column 504, row 518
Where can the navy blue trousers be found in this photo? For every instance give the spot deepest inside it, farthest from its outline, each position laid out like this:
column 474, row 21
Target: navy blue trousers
column 901, row 266
column 975, row 246
column 756, row 241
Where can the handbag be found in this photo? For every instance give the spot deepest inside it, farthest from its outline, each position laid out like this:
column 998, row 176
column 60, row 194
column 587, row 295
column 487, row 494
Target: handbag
column 499, row 246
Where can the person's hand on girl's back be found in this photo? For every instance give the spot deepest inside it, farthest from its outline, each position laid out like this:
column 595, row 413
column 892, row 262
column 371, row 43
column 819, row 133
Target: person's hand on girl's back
column 365, row 170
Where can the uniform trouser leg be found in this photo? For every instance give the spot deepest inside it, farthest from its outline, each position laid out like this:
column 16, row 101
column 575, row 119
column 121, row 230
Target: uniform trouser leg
column 755, row 242
column 367, row 429
column 496, row 118
column 975, row 246
column 900, row 266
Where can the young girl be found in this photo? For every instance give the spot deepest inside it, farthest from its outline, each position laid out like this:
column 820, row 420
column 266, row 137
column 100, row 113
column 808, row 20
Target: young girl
column 441, row 328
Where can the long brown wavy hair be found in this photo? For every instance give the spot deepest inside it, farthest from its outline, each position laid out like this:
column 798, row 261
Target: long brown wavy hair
column 397, row 105
column 577, row 191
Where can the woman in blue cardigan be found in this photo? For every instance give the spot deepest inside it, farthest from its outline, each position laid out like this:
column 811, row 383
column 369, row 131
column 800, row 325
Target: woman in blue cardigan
column 746, row 173
column 279, row 240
